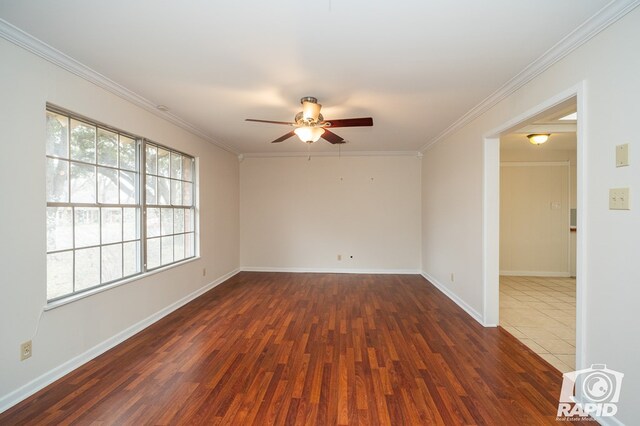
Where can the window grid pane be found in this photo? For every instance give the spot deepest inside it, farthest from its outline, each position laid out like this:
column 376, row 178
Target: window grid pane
column 57, row 135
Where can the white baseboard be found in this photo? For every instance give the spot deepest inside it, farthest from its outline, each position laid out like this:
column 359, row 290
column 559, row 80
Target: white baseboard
column 11, row 399
column 330, row 270
column 564, row 274
column 454, row 297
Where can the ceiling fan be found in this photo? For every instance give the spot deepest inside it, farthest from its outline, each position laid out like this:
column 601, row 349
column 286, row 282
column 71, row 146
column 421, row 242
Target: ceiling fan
column 310, row 125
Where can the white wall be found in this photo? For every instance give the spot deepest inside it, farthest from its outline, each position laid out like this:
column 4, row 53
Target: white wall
column 299, row 215
column 534, row 219
column 452, row 240
column 27, row 82
column 543, row 154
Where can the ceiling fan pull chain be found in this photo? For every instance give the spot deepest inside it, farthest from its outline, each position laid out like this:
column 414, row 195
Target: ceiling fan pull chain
column 309, row 151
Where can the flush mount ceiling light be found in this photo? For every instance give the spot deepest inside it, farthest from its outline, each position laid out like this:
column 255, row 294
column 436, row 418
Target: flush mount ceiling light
column 310, row 125
column 538, row 138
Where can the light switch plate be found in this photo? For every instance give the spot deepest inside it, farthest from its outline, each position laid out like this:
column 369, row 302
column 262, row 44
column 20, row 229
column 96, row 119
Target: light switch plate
column 622, row 155
column 619, row 199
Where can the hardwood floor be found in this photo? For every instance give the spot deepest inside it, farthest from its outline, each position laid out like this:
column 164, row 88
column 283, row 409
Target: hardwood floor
column 272, row 348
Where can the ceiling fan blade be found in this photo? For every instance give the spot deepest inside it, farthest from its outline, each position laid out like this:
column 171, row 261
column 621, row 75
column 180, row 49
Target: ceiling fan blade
column 284, row 137
column 351, row 122
column 269, row 121
column 331, row 137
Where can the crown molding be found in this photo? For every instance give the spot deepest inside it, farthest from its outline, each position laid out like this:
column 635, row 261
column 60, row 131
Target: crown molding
column 606, row 16
column 331, row 154
column 39, row 48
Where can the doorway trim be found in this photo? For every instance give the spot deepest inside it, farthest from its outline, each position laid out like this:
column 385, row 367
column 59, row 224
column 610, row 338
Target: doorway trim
column 491, row 213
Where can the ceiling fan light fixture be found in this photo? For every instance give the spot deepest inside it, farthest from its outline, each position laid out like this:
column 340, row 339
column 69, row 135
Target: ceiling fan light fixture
column 309, row 134
column 538, row 138
column 310, row 109
column 309, row 125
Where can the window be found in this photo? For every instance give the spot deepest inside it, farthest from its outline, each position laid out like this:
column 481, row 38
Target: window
column 96, row 212
column 169, row 206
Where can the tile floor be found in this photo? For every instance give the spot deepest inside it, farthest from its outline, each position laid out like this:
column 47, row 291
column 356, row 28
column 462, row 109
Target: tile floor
column 541, row 313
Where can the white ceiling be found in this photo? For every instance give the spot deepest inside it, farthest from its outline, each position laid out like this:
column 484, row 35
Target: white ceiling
column 415, row 66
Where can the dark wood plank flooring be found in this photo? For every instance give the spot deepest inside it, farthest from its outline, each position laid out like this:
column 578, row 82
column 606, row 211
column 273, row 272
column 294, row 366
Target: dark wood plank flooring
column 326, row 349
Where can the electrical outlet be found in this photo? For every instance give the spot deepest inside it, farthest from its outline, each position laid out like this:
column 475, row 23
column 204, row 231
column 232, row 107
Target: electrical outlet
column 25, row 350
column 204, row 272
column 339, row 257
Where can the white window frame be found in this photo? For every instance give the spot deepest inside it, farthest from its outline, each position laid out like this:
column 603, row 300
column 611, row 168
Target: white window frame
column 140, row 205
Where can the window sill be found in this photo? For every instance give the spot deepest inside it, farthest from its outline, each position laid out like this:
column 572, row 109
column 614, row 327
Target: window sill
column 74, row 297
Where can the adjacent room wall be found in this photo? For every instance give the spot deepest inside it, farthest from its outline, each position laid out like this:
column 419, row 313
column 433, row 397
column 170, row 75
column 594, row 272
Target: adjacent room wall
column 544, row 155
column 453, row 207
column 534, row 219
column 27, row 82
column 300, row 215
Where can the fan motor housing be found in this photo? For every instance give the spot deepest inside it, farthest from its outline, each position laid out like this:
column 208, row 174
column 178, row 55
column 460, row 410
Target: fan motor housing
column 302, row 122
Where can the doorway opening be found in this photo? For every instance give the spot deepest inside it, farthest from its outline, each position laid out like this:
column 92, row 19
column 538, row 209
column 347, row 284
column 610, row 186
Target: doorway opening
column 533, row 233
column 538, row 207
